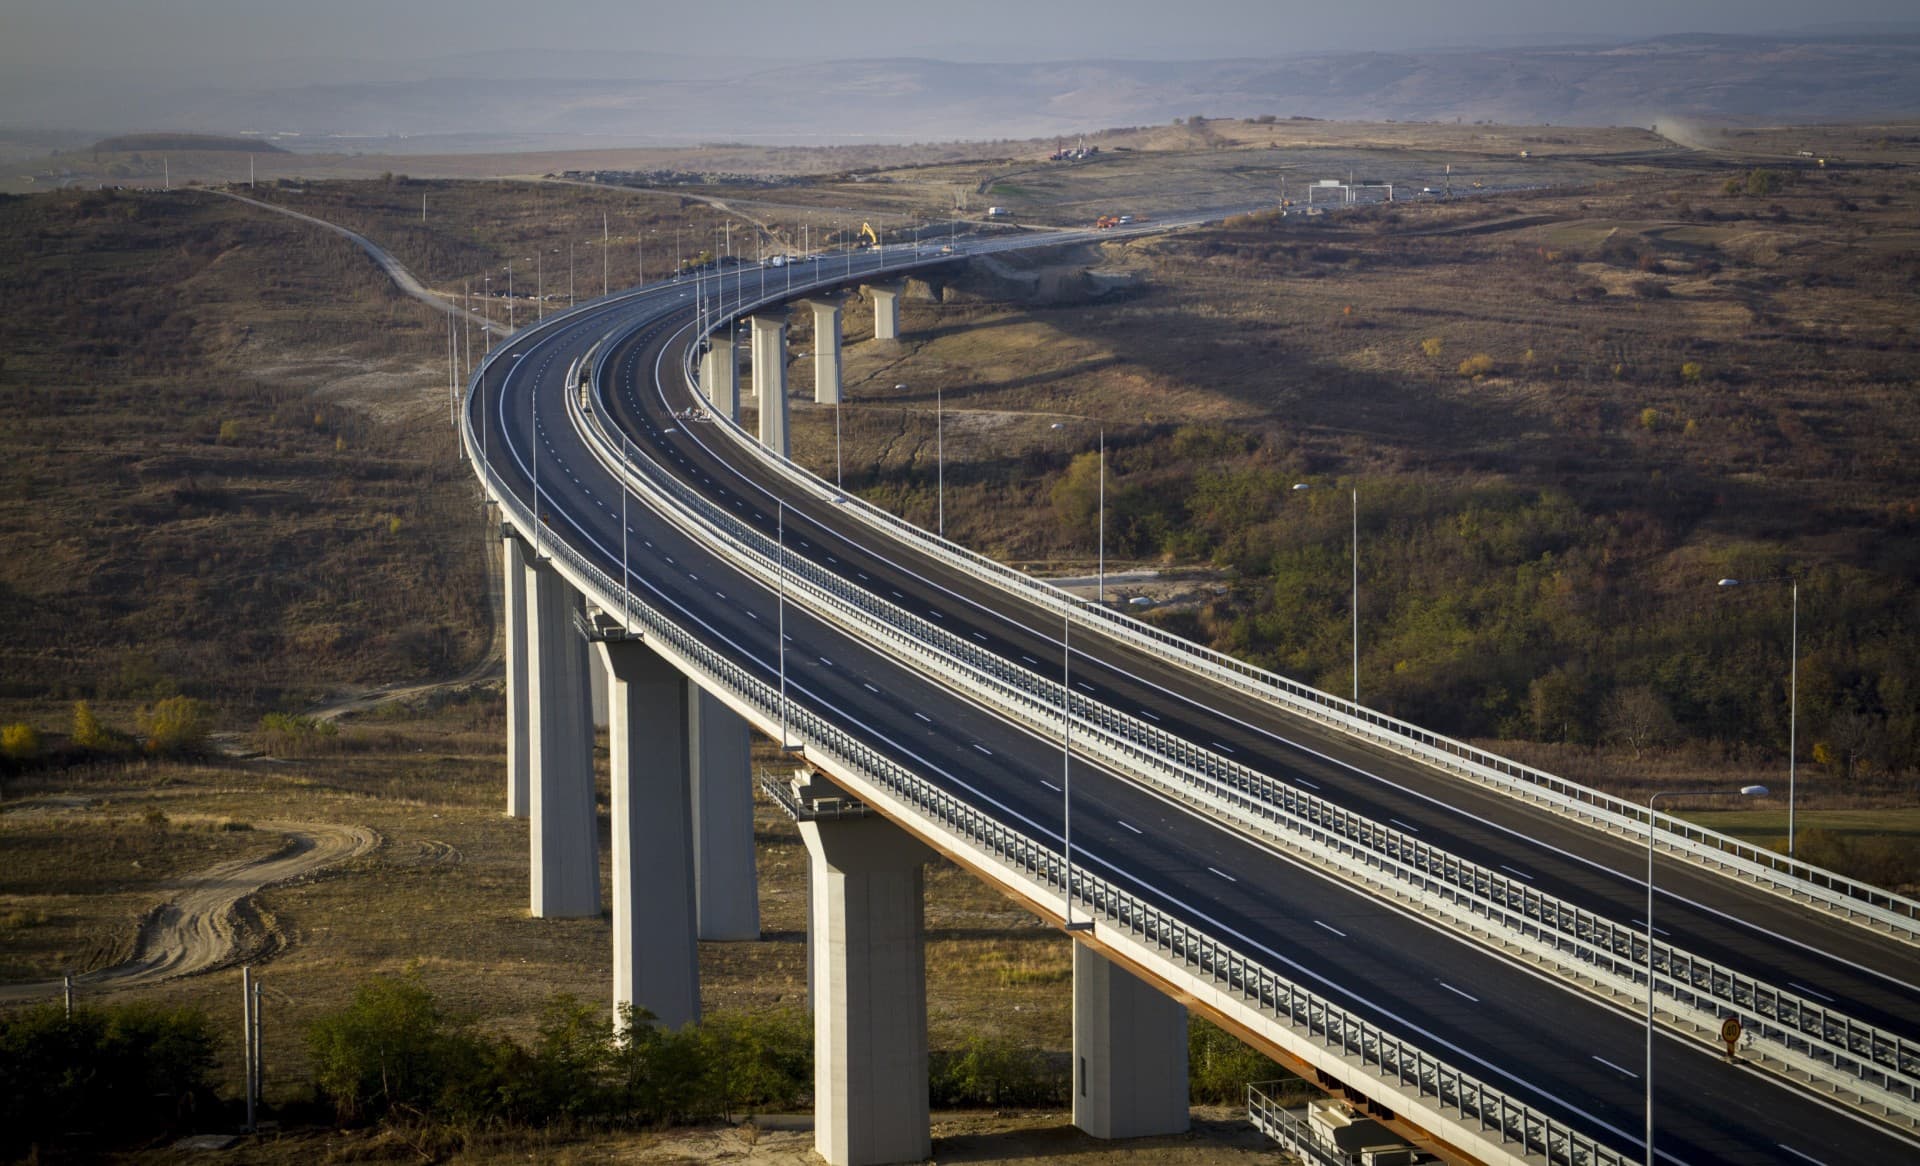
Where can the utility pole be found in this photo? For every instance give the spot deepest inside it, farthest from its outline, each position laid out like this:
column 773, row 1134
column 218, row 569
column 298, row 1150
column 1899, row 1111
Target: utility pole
column 249, row 171
column 246, row 1040
column 66, row 990
column 540, row 284
column 1100, row 575
column 606, row 255
column 569, row 273
column 423, row 206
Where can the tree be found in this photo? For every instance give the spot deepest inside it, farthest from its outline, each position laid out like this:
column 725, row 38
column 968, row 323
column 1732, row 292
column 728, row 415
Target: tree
column 382, row 1050
column 88, row 732
column 178, row 724
column 1638, row 718
column 1076, row 496
column 19, row 742
column 1432, row 346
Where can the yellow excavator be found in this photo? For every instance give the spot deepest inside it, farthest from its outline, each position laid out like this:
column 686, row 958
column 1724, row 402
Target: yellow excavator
column 866, row 234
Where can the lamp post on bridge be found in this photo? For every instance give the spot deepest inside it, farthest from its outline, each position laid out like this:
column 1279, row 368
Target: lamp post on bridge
column 1793, row 688
column 1745, row 791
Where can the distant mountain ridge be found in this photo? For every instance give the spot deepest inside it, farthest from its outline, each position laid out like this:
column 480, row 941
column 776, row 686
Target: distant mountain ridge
column 1824, row 75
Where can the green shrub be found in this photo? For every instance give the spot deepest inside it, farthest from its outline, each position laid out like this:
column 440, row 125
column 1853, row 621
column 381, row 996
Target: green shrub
column 992, row 1071
column 1219, row 1067
column 120, row 1072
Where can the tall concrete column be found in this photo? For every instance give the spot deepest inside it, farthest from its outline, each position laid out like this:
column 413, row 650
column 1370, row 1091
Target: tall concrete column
column 656, row 963
column 726, row 885
column 826, row 352
column 870, row 999
column 886, row 313
column 514, row 555
column 770, row 380
column 1129, row 1053
column 720, row 378
column 566, row 862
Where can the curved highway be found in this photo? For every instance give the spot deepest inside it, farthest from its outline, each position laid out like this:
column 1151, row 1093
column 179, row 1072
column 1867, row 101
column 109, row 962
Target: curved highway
column 1562, row 1053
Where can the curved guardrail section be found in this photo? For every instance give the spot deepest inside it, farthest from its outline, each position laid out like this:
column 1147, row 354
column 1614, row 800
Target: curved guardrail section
column 1892, row 913
column 1300, row 1020
column 1817, row 1042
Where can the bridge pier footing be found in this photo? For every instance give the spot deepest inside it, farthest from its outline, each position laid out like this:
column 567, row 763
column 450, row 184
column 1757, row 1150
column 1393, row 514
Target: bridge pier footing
column 565, row 859
column 826, row 352
column 886, row 312
column 1129, row 1052
column 870, row 1003
column 656, row 963
column 514, row 585
column 726, row 882
column 770, row 380
column 720, row 378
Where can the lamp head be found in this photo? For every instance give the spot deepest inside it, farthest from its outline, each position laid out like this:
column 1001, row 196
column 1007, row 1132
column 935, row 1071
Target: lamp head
column 1729, row 583
column 1753, row 791
column 1303, row 485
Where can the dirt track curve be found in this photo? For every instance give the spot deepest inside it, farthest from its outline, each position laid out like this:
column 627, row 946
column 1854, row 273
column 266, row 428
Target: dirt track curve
column 205, row 925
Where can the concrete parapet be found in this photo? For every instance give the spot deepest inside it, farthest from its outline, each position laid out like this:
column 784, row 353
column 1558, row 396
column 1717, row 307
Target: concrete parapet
column 1129, row 1053
column 656, row 963
column 870, row 1004
column 514, row 556
column 565, row 859
column 826, row 351
column 727, row 889
column 770, row 380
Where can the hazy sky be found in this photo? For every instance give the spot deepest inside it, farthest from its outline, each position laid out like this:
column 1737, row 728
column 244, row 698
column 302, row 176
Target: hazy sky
column 166, row 36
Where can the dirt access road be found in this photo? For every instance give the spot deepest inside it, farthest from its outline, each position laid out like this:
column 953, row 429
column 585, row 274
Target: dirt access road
column 208, row 922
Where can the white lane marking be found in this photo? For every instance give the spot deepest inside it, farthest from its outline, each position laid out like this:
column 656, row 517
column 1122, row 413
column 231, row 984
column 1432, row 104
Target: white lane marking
column 1132, row 827
column 1810, row 991
column 1330, row 927
column 786, row 637
column 1223, row 748
column 1149, row 716
column 1085, row 685
column 923, row 716
column 979, row 637
column 1050, row 785
column 831, row 559
column 935, row 614
column 897, row 595
column 826, row 661
column 1617, row 1068
column 668, row 558
column 1657, row 929
column 751, row 615
column 1405, row 826
column 1305, row 782
column 983, row 748
column 863, row 576
column 870, row 688
column 1030, row 660
column 1458, row 992
column 1516, row 870
column 1803, row 1157
column 1223, row 874
column 721, row 596
column 693, row 576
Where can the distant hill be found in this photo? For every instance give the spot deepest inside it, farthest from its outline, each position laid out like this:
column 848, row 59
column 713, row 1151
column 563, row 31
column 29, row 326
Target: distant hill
column 147, row 143
column 1818, row 76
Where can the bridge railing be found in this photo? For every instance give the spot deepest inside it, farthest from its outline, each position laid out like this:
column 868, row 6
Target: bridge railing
column 1806, row 1037
column 1894, row 913
column 1305, row 1016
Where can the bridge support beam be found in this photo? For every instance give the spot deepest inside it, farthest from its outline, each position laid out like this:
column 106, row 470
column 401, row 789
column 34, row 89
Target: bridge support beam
column 826, row 351
column 886, row 312
column 870, row 1004
column 727, row 887
column 565, row 859
column 720, row 378
column 656, row 963
column 1129, row 1053
column 514, row 581
column 770, row 380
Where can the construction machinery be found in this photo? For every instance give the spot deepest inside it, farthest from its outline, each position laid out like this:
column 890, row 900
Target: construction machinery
column 867, row 236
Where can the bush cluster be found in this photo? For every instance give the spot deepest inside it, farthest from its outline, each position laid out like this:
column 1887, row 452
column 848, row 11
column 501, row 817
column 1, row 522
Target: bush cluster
column 396, row 1052
column 120, row 1073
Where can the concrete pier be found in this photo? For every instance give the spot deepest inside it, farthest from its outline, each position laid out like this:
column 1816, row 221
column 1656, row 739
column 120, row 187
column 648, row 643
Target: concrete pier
column 770, row 380
column 886, row 312
column 514, row 555
column 870, row 1001
column 826, row 351
column 656, row 963
column 720, row 378
column 726, row 884
column 566, row 862
column 1129, row 1053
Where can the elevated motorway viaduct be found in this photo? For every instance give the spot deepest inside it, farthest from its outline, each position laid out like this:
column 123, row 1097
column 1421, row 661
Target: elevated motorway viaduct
column 1467, row 1047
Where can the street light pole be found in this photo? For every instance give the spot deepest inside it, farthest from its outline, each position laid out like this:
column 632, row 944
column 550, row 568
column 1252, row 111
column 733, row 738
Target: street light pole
column 940, row 458
column 1793, row 690
column 1100, row 567
column 780, row 567
column 1747, row 791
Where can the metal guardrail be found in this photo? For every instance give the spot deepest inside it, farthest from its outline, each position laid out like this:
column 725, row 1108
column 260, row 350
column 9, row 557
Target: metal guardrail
column 1897, row 914
column 1274, row 1120
column 1820, row 1042
column 1306, row 1017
